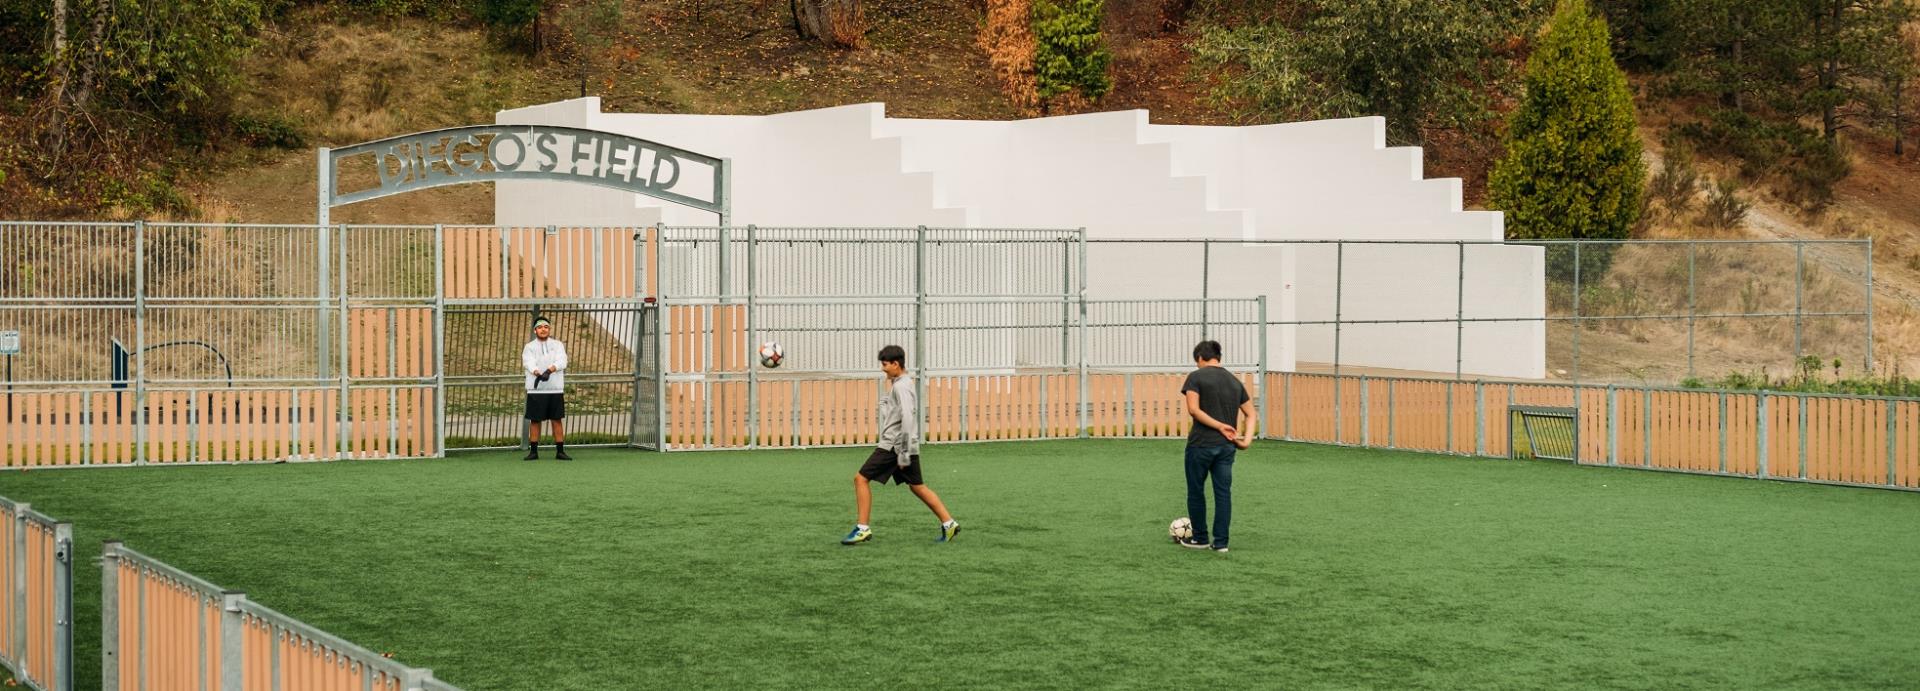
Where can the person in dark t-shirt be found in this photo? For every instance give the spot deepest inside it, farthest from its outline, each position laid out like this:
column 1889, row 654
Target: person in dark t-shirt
column 1217, row 401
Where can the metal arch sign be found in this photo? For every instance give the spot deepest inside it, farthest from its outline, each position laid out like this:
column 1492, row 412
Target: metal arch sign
column 482, row 153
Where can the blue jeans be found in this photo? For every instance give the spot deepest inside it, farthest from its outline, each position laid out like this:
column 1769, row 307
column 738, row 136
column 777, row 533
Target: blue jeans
column 1218, row 462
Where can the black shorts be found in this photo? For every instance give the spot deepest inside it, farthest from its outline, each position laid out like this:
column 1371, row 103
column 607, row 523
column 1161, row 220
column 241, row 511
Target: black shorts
column 884, row 465
column 546, row 406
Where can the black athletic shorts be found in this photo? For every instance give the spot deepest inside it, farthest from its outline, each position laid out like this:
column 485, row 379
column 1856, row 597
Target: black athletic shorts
column 546, row 406
column 883, row 464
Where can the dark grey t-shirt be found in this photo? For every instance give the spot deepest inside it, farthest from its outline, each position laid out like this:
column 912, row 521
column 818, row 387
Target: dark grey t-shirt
column 1221, row 394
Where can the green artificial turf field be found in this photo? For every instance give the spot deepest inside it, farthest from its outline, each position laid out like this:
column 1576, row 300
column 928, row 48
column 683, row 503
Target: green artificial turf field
column 1349, row 568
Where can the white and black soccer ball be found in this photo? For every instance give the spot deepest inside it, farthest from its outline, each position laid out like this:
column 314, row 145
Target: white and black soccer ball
column 771, row 354
column 1181, row 529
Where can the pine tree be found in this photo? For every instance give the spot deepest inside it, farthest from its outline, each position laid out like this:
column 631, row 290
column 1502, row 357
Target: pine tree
column 1068, row 55
column 1573, row 165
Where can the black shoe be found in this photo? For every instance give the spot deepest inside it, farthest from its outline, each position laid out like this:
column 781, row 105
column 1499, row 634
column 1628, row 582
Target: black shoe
column 1192, row 543
column 533, row 453
column 560, row 454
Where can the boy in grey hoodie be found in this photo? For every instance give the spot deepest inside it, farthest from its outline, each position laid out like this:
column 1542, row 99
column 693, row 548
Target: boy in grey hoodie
column 898, row 457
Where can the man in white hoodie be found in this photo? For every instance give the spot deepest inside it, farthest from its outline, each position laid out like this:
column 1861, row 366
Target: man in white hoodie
column 544, row 359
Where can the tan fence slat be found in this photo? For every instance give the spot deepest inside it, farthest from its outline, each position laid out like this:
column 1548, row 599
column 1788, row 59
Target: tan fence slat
column 1903, row 447
column 208, row 407
column 1816, row 437
column 29, row 405
column 9, row 455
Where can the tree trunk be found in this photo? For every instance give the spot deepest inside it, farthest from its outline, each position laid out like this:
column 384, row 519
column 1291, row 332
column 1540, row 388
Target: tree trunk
column 96, row 52
column 57, row 81
column 1899, row 119
column 838, row 23
column 1826, row 30
column 539, row 30
column 1736, row 94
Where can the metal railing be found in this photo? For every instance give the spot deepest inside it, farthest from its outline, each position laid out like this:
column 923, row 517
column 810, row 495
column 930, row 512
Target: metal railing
column 36, row 597
column 1726, row 300
column 162, row 627
column 1869, row 441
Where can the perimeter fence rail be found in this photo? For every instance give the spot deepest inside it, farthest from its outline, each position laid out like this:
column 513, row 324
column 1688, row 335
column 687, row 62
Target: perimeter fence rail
column 206, row 343
column 36, row 597
column 1645, row 312
column 164, row 628
column 1826, row 439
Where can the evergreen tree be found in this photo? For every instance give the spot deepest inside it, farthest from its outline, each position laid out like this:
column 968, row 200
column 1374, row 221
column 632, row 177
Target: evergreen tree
column 1068, row 55
column 1573, row 165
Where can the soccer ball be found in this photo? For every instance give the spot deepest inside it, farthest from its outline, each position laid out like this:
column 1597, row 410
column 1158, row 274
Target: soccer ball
column 1181, row 529
column 771, row 354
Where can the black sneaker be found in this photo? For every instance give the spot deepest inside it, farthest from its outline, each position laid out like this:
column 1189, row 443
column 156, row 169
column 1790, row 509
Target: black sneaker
column 560, row 453
column 1219, row 549
column 1191, row 543
column 533, row 454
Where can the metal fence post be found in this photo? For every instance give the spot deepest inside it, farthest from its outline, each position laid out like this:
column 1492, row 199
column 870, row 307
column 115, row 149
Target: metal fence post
column 1646, row 428
column 1339, row 269
column 1206, row 266
column 1261, row 377
column 1691, row 251
column 440, row 340
column 393, row 389
column 346, row 347
column 1460, row 312
column 63, row 607
column 1086, row 396
column 1870, row 309
column 1577, row 324
column 1613, row 430
column 1892, row 410
column 1066, row 301
column 323, row 251
column 920, row 324
column 506, row 252
column 140, row 342
column 1366, row 414
column 1799, row 269
column 1577, row 400
column 662, row 321
column 19, row 565
column 110, row 615
column 1721, row 422
column 1480, row 418
column 1803, row 436
column 753, row 339
column 232, row 641
column 1760, row 445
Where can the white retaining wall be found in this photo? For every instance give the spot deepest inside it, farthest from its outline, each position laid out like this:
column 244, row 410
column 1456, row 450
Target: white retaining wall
column 1119, row 176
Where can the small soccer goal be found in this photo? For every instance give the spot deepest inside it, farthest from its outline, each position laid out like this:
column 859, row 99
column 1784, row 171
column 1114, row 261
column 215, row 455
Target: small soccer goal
column 1543, row 432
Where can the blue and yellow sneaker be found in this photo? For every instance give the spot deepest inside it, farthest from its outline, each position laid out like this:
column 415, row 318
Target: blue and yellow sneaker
column 948, row 530
column 858, row 535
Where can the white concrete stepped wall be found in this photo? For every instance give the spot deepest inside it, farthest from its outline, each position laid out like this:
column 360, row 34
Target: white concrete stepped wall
column 1121, row 177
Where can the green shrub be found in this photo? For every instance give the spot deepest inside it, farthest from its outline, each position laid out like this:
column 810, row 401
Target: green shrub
column 1068, row 56
column 1573, row 165
column 270, row 130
